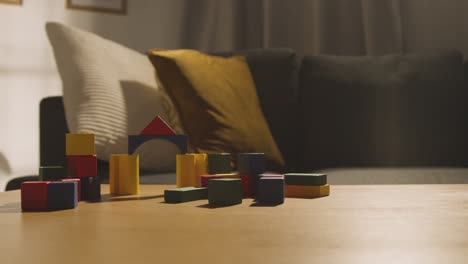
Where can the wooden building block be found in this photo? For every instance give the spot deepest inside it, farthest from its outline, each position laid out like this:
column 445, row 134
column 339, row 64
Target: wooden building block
column 124, row 174
column 303, row 191
column 219, row 163
column 50, row 173
column 224, row 191
column 34, row 195
column 205, row 178
column 270, row 190
column 157, row 127
column 78, row 181
column 251, row 163
column 62, row 195
column 82, row 166
column 134, row 141
column 80, row 144
column 91, row 188
column 185, row 194
column 305, row 179
column 189, row 168
column 249, row 184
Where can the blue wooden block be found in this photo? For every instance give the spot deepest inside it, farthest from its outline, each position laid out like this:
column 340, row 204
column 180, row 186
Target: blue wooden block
column 62, row 195
column 134, row 141
column 251, row 163
column 90, row 188
column 308, row 179
column 185, row 194
column 270, row 190
column 224, row 191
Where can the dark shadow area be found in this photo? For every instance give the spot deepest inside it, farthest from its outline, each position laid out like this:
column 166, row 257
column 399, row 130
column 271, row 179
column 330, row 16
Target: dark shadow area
column 122, row 198
column 211, row 206
column 257, row 204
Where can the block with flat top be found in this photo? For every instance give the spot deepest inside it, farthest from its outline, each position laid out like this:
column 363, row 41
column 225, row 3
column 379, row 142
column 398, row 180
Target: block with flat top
column 124, row 174
column 205, row 178
column 189, row 168
column 134, row 141
column 224, row 192
column 82, row 166
column 80, row 144
column 270, row 190
column 49, row 173
column 219, row 163
column 303, row 191
column 78, row 181
column 62, row 195
column 251, row 163
column 305, row 179
column 34, row 195
column 90, row 188
column 185, row 194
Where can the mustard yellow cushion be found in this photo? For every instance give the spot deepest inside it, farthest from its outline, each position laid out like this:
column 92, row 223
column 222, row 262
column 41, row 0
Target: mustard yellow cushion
column 217, row 102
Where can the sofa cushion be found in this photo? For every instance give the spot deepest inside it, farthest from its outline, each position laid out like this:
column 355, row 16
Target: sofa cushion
column 395, row 110
column 109, row 90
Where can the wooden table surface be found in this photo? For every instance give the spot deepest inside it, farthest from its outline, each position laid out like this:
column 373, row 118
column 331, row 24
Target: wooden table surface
column 356, row 224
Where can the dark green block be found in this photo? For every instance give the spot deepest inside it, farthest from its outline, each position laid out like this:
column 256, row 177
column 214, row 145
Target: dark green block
column 49, row 173
column 305, row 179
column 225, row 191
column 219, row 163
column 186, row 194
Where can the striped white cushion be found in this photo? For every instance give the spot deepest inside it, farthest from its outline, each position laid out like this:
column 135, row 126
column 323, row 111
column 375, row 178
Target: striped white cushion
column 110, row 90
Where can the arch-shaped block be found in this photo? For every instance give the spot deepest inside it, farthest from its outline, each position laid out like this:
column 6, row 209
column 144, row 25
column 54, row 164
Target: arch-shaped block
column 134, row 141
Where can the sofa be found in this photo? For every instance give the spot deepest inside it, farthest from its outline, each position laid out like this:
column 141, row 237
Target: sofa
column 394, row 119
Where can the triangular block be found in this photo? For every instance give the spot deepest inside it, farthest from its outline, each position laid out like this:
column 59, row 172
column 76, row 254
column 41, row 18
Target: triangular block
column 157, row 127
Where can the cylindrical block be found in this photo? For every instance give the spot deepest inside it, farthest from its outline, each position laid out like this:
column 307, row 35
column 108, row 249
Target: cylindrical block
column 124, row 174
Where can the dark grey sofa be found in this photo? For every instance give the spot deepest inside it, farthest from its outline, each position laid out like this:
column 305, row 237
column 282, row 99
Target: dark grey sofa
column 388, row 119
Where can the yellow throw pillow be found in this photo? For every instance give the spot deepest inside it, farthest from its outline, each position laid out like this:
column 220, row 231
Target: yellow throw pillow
column 217, row 102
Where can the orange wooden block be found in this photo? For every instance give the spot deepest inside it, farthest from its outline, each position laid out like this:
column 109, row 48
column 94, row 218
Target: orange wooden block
column 303, row 191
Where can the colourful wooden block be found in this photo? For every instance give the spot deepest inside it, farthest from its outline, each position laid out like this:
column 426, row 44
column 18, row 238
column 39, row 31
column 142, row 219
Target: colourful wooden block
column 91, row 188
column 251, row 163
column 78, row 181
column 134, row 141
column 305, row 179
column 80, row 144
column 270, row 190
column 224, row 192
column 205, row 178
column 34, row 195
column 62, row 195
column 49, row 173
column 82, row 166
column 157, row 127
column 189, row 168
column 303, row 191
column 249, row 183
column 219, row 163
column 185, row 194
column 124, row 174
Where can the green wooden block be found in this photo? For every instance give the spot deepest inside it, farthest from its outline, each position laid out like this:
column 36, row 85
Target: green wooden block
column 186, row 194
column 50, row 173
column 225, row 191
column 305, row 179
column 219, row 163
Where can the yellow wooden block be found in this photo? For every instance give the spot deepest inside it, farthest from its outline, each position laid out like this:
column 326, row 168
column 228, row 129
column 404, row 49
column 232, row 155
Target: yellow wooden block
column 189, row 167
column 229, row 175
column 124, row 174
column 80, row 144
column 303, row 191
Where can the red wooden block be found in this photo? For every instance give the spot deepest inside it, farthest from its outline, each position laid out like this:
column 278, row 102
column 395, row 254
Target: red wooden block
column 79, row 185
column 82, row 166
column 34, row 195
column 157, row 127
column 249, row 183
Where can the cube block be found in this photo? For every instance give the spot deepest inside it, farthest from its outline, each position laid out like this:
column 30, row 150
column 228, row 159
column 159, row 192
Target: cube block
column 82, row 166
column 302, row 191
column 80, row 144
column 78, row 181
column 185, row 194
column 270, row 190
column 219, row 163
column 251, row 163
column 49, row 173
column 124, row 174
column 90, row 188
column 249, row 184
column 224, row 192
column 34, row 195
column 305, row 179
column 205, row 178
column 189, row 168
column 62, row 195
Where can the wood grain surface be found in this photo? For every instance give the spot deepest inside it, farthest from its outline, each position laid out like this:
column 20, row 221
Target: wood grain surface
column 355, row 224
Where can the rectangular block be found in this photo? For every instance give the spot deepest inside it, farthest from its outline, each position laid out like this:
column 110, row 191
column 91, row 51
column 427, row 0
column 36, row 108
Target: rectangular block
column 205, row 178
column 302, row 191
column 249, row 184
column 80, row 144
column 219, row 163
column 91, row 188
column 62, row 195
column 134, row 141
column 305, row 179
column 224, row 191
column 270, row 190
column 124, row 174
column 77, row 182
column 251, row 163
column 185, row 194
column 82, row 166
column 189, row 168
column 50, row 173
column 34, row 195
